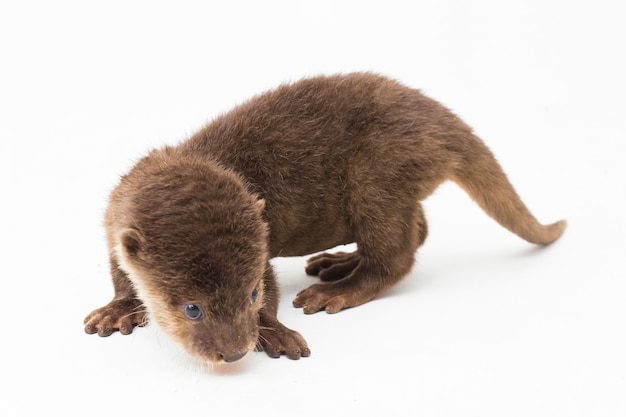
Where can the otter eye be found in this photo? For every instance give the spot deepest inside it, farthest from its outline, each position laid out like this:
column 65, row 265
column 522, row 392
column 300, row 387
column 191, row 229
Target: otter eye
column 254, row 296
column 193, row 312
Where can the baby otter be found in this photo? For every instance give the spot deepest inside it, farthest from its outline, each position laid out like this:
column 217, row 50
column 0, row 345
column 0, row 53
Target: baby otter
column 322, row 162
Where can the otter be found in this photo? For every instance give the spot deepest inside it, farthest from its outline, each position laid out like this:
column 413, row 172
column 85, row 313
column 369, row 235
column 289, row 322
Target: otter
column 306, row 167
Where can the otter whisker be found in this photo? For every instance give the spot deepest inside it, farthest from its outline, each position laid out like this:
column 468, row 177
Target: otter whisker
column 267, row 328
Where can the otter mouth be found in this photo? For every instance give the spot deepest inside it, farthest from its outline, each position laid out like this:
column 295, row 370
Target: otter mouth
column 232, row 357
column 224, row 355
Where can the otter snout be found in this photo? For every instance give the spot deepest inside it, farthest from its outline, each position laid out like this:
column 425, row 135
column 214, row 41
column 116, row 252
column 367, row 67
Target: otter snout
column 214, row 351
column 232, row 357
column 225, row 342
column 230, row 352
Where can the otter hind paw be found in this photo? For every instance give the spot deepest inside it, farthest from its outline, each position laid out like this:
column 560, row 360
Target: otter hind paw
column 332, row 266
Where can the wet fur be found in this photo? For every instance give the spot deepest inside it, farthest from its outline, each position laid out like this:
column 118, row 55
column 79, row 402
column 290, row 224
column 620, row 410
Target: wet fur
column 303, row 168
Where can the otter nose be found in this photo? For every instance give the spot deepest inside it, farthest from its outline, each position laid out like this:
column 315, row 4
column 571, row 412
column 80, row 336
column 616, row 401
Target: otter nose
column 232, row 357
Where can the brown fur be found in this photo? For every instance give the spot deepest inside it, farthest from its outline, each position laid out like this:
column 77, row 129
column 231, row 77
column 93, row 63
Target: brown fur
column 300, row 169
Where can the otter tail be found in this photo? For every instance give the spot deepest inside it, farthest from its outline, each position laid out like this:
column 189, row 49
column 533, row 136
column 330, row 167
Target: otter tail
column 480, row 175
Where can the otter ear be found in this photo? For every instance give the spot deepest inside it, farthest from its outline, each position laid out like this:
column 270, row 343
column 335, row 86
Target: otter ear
column 132, row 242
column 260, row 204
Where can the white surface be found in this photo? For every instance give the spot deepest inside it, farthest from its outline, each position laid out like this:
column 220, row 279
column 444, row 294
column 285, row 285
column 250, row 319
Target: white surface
column 486, row 325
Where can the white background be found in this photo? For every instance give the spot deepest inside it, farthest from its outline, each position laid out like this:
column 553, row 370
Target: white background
column 485, row 325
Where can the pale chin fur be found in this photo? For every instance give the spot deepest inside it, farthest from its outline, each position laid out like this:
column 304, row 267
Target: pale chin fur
column 133, row 276
column 179, row 355
column 181, row 359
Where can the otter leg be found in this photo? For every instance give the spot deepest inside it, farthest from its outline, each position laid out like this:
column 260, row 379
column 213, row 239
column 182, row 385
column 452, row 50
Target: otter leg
column 123, row 313
column 385, row 256
column 332, row 266
column 274, row 338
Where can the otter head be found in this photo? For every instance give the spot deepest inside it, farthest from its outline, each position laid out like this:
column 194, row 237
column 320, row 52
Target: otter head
column 196, row 253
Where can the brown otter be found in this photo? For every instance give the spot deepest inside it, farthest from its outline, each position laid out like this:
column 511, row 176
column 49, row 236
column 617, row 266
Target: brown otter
column 306, row 167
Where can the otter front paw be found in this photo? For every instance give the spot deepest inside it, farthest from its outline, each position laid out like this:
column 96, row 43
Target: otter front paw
column 278, row 340
column 120, row 315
